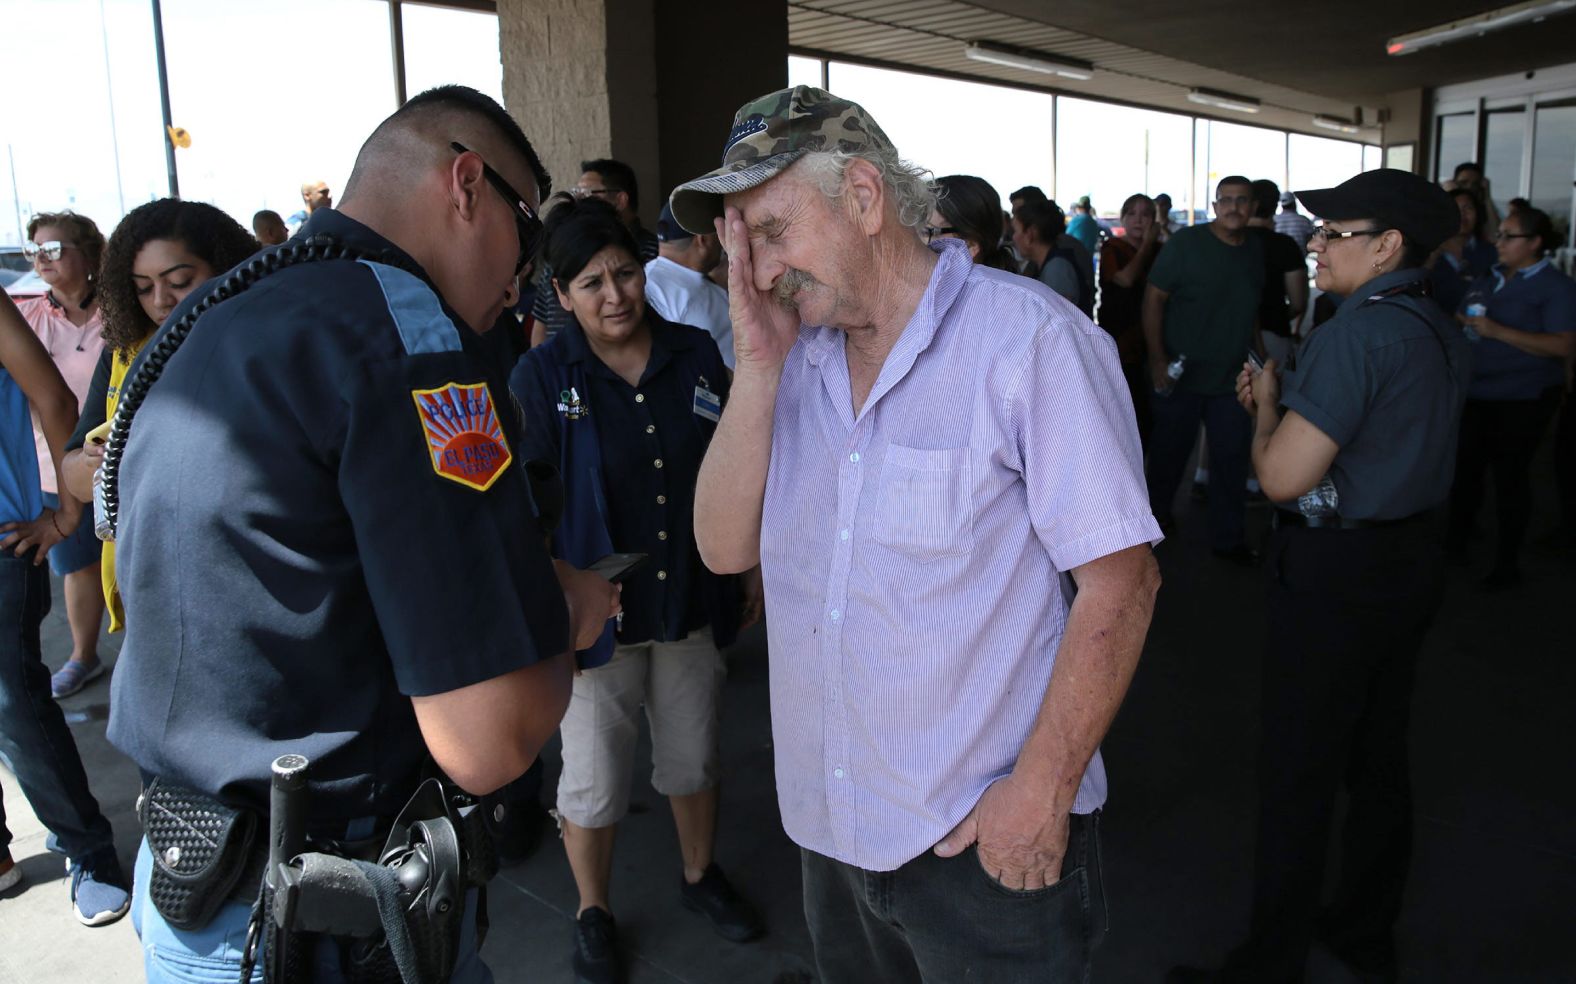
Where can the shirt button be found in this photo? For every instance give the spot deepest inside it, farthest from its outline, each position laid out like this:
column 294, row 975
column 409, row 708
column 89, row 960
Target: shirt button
column 662, row 575
column 838, row 773
column 662, row 500
column 662, row 534
column 657, row 463
column 854, row 457
column 843, row 535
column 640, row 398
column 651, row 428
column 836, row 614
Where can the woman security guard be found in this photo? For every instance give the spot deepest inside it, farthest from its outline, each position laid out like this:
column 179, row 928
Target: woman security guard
column 1356, row 447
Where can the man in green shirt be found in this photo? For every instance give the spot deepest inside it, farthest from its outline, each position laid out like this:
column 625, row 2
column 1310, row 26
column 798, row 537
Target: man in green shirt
column 1202, row 305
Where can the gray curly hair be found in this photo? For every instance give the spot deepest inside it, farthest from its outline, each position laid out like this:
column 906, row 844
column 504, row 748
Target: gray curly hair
column 910, row 185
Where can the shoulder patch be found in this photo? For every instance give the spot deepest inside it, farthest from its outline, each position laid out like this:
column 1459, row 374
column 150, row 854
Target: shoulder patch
column 423, row 327
column 464, row 439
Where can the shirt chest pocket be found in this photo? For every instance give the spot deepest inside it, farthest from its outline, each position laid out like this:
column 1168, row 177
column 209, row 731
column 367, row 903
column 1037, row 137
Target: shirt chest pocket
column 925, row 502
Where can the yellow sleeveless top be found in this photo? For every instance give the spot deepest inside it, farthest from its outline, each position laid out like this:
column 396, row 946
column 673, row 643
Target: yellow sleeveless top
column 120, row 364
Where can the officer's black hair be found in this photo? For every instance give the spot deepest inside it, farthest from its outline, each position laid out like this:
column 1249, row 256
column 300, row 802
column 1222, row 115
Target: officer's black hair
column 266, row 215
column 464, row 99
column 1028, row 193
column 1045, row 217
column 973, row 208
column 1266, row 198
column 618, row 176
column 580, row 229
column 205, row 231
column 1535, row 222
column 1466, row 166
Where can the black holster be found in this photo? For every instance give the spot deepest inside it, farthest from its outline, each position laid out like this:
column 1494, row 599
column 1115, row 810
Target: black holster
column 399, row 917
column 201, row 851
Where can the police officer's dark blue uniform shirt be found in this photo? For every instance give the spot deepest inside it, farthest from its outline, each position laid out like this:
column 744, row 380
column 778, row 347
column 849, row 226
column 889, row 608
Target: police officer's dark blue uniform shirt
column 323, row 514
column 1387, row 386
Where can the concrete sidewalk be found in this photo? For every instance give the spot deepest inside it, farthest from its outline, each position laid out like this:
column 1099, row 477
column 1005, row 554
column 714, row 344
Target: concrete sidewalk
column 1494, row 873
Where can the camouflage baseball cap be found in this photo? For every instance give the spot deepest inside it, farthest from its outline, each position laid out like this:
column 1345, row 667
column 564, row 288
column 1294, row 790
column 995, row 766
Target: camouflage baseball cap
column 769, row 134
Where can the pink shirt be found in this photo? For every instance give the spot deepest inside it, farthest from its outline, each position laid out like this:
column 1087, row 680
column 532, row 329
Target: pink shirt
column 75, row 351
column 915, row 556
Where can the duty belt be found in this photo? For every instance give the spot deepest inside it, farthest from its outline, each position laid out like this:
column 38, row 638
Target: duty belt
column 398, row 902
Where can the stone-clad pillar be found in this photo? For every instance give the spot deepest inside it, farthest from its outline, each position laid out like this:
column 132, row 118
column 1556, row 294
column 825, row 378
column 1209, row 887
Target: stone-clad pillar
column 653, row 83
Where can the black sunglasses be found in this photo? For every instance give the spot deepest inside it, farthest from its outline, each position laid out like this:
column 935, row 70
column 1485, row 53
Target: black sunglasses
column 934, row 232
column 526, row 223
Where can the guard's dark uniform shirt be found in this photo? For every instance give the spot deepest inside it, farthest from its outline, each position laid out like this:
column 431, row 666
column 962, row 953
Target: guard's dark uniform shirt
column 323, row 514
column 1385, row 379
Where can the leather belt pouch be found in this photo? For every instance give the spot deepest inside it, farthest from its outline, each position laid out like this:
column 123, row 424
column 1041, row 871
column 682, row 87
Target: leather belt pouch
column 200, row 848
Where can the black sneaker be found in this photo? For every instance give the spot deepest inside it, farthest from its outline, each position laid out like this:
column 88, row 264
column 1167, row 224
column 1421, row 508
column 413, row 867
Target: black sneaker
column 712, row 896
column 596, row 948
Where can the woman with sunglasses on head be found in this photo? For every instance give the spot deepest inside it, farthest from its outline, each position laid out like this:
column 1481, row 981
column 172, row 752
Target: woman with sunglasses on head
column 65, row 249
column 1522, row 322
column 624, row 403
column 1356, row 449
column 968, row 208
column 159, row 253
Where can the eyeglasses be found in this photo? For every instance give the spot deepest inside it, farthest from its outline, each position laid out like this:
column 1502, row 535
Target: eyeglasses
column 933, row 232
column 1324, row 234
column 526, row 223
column 580, row 192
column 48, row 250
column 1234, row 200
column 1502, row 235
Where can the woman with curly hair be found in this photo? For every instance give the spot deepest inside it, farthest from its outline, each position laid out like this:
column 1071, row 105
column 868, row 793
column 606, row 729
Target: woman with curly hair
column 159, row 253
column 66, row 249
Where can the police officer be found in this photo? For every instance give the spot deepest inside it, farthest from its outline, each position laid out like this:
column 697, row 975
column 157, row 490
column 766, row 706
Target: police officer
column 327, row 543
column 1356, row 448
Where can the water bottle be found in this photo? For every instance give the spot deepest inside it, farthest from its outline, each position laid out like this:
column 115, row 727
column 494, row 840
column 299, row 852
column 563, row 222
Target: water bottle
column 1321, row 500
column 1174, row 372
column 1474, row 305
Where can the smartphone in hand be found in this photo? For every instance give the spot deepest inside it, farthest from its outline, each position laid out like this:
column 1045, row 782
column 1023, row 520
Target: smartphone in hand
column 617, row 566
column 1256, row 362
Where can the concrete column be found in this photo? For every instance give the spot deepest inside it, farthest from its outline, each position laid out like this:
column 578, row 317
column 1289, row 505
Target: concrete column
column 1411, row 121
column 653, row 83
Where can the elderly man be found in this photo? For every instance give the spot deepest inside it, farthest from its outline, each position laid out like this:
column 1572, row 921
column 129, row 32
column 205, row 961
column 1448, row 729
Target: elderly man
column 927, row 457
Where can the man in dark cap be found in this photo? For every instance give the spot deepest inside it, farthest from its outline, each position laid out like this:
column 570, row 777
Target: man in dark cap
column 1356, row 448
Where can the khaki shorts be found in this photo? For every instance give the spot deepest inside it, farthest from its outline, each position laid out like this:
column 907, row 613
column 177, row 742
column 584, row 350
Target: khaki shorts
column 680, row 683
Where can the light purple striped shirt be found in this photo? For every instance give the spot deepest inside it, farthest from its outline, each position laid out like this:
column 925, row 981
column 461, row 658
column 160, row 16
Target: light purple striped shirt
column 912, row 555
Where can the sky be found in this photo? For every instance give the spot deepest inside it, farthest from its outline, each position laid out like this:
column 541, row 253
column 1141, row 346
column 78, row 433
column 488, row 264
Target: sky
column 268, row 105
column 278, row 93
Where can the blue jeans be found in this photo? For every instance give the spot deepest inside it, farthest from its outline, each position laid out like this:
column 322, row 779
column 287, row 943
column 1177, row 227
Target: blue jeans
column 1229, row 432
column 33, row 732
column 212, row 955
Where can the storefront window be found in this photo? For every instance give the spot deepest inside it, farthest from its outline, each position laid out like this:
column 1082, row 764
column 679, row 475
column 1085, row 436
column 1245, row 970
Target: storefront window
column 1554, row 165
column 1455, row 143
column 1504, row 137
column 444, row 45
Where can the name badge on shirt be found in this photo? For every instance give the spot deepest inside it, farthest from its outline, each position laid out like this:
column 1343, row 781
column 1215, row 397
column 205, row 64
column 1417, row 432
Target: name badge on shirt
column 707, row 403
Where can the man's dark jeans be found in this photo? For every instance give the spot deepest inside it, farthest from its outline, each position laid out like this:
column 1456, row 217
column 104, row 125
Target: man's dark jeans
column 1229, row 431
column 941, row 920
column 33, row 732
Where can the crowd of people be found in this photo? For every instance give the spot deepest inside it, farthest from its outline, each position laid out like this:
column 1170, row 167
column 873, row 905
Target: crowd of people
column 754, row 408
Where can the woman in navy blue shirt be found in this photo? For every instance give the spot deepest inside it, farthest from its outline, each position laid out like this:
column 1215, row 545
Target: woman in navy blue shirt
column 1522, row 341
column 625, row 403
